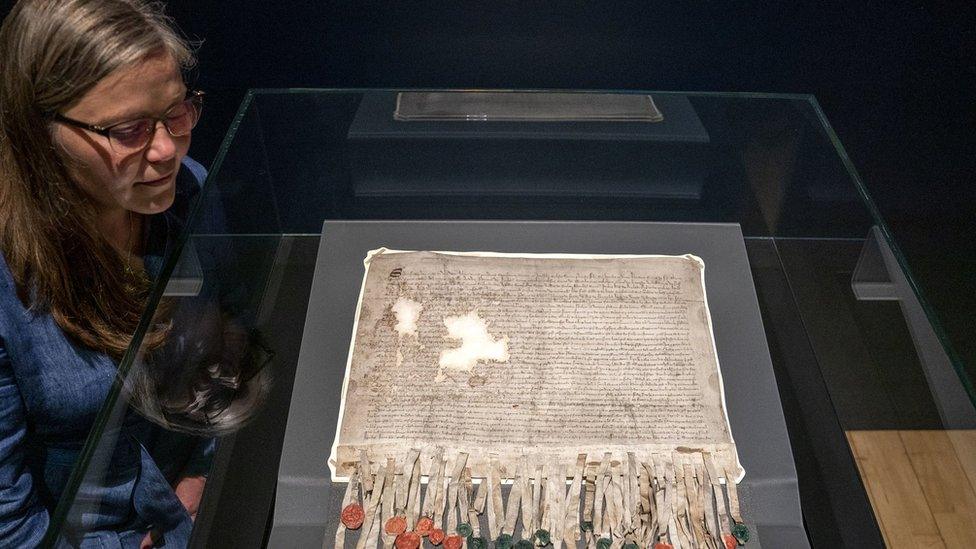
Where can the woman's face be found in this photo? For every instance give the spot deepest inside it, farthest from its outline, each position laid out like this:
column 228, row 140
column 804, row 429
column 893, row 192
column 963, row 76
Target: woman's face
column 142, row 181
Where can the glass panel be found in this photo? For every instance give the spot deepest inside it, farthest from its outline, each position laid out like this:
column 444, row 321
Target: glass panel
column 341, row 155
column 772, row 164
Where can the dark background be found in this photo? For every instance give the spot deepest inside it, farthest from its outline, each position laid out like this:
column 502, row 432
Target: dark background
column 895, row 78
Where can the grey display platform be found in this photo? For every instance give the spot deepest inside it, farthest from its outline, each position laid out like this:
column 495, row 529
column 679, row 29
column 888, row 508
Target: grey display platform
column 307, row 504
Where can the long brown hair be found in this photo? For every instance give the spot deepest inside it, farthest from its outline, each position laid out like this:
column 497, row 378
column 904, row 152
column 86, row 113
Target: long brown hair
column 52, row 52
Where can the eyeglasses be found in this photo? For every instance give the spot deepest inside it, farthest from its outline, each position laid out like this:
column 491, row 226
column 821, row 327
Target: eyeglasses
column 134, row 135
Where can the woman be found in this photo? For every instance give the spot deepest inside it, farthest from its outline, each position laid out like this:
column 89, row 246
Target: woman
column 95, row 124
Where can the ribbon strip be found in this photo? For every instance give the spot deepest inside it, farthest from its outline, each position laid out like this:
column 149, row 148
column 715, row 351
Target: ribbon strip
column 646, row 506
column 495, row 511
column 441, row 490
column 571, row 522
column 384, row 478
column 536, row 517
column 589, row 494
column 430, row 494
column 514, row 500
column 602, row 483
column 453, row 494
column 413, row 497
column 390, row 499
column 365, row 473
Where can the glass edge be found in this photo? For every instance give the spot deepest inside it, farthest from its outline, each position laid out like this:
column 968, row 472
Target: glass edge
column 226, row 143
column 101, row 420
column 930, row 314
column 125, row 364
column 739, row 95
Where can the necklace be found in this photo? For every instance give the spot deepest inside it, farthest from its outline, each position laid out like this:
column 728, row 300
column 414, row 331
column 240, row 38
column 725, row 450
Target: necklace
column 127, row 254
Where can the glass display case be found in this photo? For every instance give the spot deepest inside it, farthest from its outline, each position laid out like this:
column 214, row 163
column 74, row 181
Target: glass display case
column 864, row 381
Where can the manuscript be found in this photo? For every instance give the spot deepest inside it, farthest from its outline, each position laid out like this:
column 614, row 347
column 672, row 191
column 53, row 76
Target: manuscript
column 575, row 368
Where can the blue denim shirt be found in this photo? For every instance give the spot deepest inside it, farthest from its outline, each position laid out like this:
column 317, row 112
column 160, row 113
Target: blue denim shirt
column 50, row 393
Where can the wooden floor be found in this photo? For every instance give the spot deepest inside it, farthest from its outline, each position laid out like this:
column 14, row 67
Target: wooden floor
column 922, row 485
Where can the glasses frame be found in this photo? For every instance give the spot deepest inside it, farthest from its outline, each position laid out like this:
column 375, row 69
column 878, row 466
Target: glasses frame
column 105, row 131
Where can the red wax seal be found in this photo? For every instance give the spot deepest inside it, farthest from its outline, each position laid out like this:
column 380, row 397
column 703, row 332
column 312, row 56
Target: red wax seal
column 662, row 545
column 730, row 541
column 424, row 526
column 396, row 525
column 352, row 516
column 436, row 536
column 408, row 540
column 453, row 541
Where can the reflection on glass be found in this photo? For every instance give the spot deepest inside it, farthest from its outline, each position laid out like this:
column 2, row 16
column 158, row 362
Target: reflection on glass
column 525, row 106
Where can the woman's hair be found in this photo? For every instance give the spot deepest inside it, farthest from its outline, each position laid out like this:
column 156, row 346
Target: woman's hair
column 209, row 378
column 52, row 52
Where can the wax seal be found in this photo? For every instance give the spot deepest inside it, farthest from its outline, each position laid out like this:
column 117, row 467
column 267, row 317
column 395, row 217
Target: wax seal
column 352, row 516
column 396, row 525
column 730, row 541
column 741, row 533
column 407, row 540
column 424, row 526
column 436, row 536
column 453, row 541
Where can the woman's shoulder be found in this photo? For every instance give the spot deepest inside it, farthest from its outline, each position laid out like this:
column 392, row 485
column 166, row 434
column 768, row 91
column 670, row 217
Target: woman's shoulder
column 193, row 172
column 189, row 182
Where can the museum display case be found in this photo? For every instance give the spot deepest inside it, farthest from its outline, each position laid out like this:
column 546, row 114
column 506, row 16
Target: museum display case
column 831, row 357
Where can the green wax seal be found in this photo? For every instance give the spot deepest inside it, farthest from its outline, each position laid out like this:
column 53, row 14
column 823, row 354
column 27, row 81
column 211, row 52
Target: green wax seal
column 504, row 541
column 604, row 543
column 524, row 544
column 464, row 530
column 586, row 525
column 542, row 537
column 477, row 543
column 741, row 533
column 631, row 545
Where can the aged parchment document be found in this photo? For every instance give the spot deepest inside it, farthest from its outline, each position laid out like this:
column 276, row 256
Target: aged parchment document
column 563, row 365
